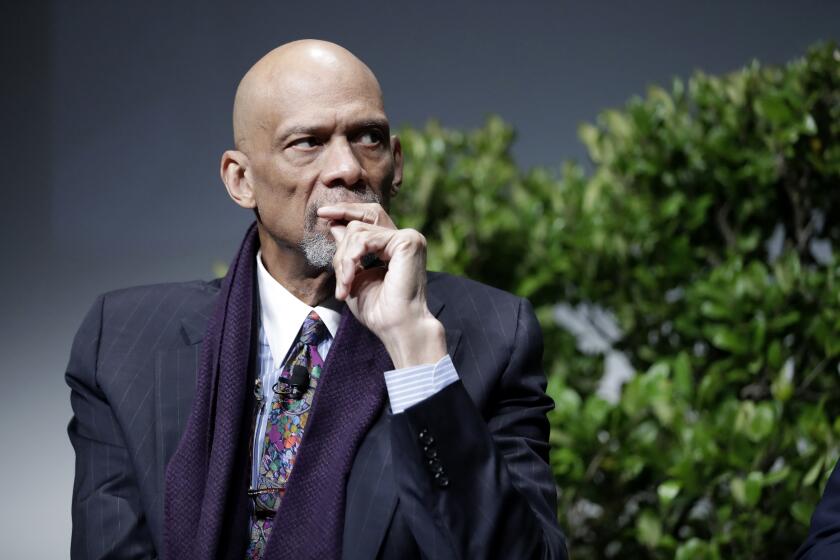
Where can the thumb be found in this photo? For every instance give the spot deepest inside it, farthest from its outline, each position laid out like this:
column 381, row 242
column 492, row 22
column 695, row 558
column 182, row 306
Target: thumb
column 338, row 232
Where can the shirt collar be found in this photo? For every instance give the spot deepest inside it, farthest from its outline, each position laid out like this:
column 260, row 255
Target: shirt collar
column 282, row 314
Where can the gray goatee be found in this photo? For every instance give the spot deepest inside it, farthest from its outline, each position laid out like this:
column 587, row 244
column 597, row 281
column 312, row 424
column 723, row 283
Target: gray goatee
column 318, row 246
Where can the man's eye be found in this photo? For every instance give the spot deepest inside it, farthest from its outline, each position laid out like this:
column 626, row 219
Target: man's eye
column 305, row 143
column 371, row 138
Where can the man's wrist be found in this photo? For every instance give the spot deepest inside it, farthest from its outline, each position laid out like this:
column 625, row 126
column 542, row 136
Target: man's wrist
column 422, row 342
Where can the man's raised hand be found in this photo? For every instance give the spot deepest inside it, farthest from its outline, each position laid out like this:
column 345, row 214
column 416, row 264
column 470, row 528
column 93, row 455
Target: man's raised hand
column 389, row 300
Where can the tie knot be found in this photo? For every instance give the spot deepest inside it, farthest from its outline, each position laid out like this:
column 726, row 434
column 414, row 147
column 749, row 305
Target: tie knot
column 313, row 330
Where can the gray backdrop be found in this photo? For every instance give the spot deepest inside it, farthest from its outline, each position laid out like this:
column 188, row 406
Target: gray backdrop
column 115, row 115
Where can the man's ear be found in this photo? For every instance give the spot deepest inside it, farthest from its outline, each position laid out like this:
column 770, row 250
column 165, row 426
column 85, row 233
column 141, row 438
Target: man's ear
column 233, row 167
column 396, row 151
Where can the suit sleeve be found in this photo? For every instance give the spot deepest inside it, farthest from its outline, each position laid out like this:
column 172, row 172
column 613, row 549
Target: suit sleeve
column 823, row 542
column 108, row 520
column 482, row 485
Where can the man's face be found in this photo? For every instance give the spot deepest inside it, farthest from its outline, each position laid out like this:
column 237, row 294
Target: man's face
column 324, row 141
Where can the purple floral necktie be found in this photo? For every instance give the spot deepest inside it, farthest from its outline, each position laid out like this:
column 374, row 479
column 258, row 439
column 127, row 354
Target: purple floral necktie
column 287, row 419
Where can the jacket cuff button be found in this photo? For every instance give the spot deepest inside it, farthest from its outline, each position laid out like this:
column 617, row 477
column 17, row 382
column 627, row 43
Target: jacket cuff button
column 425, row 437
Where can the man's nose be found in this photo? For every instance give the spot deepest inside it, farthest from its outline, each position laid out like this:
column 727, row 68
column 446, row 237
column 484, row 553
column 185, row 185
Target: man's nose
column 341, row 166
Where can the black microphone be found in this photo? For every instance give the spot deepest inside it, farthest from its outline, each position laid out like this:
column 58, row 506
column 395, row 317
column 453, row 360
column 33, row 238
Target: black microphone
column 299, row 381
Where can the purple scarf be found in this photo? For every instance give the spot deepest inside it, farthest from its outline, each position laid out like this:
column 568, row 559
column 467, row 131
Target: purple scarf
column 206, row 506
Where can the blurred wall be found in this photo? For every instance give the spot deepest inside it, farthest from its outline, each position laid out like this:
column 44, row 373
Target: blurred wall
column 115, row 115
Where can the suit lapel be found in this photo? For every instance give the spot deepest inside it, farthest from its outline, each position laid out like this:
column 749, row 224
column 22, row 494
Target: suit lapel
column 453, row 335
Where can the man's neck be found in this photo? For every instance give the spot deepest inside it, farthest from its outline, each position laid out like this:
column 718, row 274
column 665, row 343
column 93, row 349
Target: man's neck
column 291, row 269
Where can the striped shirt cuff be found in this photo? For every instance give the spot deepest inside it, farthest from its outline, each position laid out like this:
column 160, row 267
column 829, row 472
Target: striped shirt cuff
column 408, row 386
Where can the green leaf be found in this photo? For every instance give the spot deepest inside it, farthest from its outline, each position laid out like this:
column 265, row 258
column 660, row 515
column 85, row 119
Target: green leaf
column 683, row 379
column 774, row 354
column 727, row 339
column 589, row 136
column 752, row 488
column 648, row 529
column 566, row 402
column 782, row 388
column 714, row 310
column 801, row 511
column 809, row 125
column 776, row 476
column 595, row 411
column 755, row 421
column 738, row 487
column 667, row 491
column 814, row 472
column 693, row 549
column 774, row 108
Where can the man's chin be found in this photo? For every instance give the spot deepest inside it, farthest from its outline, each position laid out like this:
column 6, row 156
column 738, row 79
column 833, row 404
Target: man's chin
column 319, row 249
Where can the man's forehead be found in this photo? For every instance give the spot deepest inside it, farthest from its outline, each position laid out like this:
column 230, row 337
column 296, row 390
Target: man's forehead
column 327, row 87
column 305, row 82
column 310, row 97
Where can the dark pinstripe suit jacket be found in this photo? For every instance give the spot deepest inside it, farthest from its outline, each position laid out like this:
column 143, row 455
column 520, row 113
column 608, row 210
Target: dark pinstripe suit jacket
column 132, row 373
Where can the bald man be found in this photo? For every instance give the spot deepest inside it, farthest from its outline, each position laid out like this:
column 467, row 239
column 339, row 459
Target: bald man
column 328, row 398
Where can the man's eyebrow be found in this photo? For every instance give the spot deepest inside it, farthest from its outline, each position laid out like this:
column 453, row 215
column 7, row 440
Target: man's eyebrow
column 315, row 130
column 381, row 124
column 310, row 130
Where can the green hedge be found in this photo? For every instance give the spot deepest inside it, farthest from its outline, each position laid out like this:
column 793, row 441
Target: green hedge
column 698, row 247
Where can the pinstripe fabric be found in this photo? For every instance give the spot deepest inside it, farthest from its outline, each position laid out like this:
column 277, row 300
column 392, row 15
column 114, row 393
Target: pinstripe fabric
column 132, row 375
column 491, row 434
column 114, row 365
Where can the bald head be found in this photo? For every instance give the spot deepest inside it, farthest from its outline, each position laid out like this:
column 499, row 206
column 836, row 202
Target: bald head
column 293, row 72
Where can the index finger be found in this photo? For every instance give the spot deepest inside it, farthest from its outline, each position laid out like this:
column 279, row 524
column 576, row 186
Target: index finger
column 368, row 212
